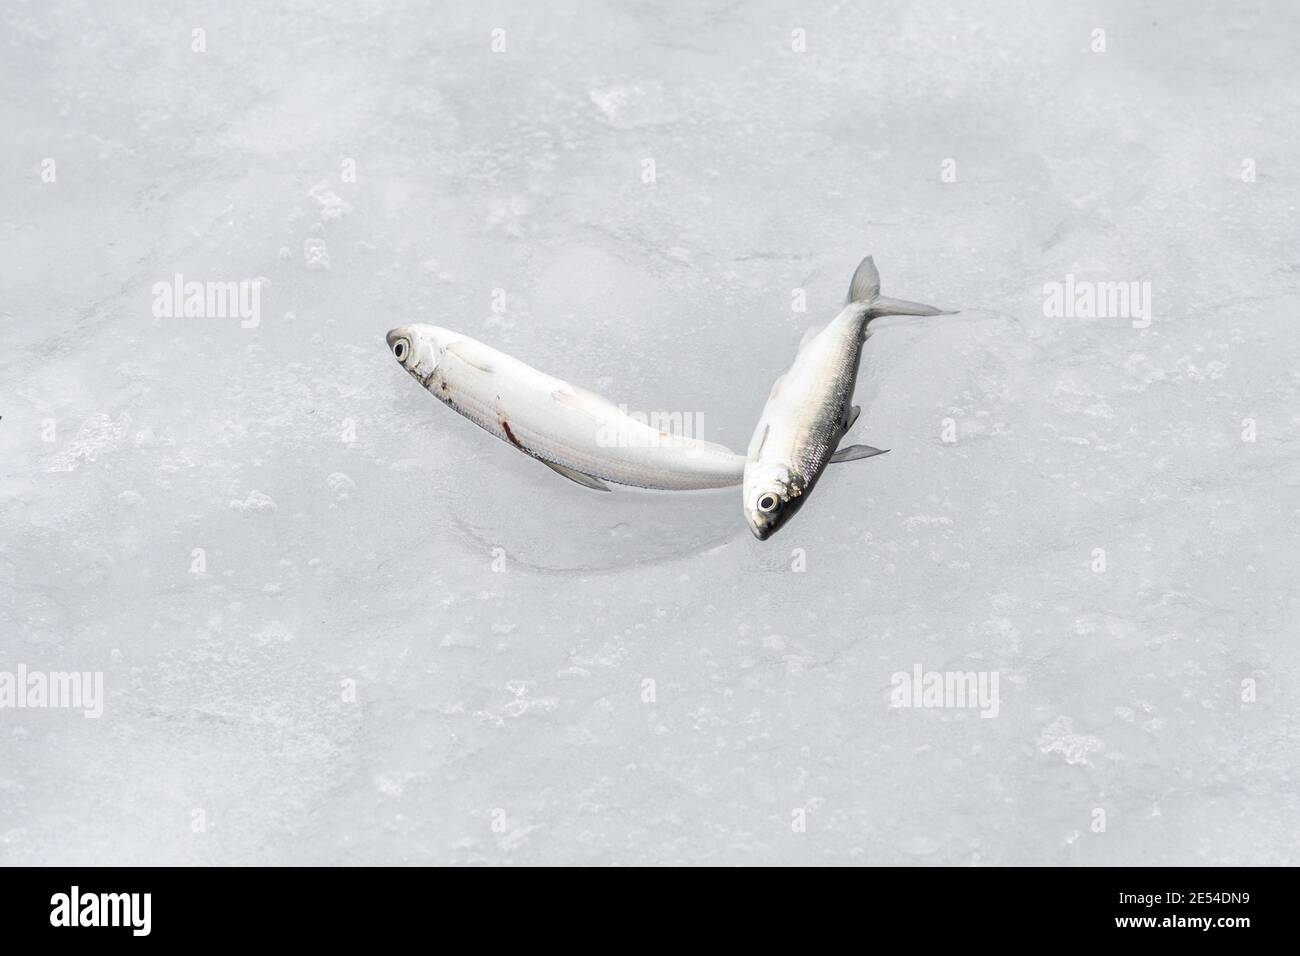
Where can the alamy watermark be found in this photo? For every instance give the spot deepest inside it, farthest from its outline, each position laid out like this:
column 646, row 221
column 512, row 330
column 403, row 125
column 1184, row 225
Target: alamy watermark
column 75, row 690
column 1082, row 299
column 649, row 430
column 946, row 689
column 129, row 910
column 179, row 299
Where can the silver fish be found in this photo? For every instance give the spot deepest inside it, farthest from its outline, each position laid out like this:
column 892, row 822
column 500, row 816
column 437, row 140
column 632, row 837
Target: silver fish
column 574, row 432
column 811, row 408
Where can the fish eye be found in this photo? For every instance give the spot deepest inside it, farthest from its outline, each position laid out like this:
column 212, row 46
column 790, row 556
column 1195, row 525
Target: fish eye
column 400, row 350
column 768, row 503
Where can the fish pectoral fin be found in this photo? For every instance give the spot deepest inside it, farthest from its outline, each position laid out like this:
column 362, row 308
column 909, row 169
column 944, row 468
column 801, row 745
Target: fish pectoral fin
column 854, row 452
column 587, row 481
column 471, row 356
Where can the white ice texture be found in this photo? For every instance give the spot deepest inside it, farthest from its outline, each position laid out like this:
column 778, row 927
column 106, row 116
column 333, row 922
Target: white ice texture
column 339, row 624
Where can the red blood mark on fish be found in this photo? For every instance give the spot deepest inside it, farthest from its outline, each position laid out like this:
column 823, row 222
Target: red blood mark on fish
column 505, row 425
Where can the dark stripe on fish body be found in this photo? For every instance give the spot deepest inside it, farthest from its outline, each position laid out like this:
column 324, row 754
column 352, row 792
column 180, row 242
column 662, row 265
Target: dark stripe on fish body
column 511, row 436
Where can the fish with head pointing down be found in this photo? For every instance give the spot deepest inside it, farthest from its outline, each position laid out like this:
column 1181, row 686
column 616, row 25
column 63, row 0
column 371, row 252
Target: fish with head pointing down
column 811, row 408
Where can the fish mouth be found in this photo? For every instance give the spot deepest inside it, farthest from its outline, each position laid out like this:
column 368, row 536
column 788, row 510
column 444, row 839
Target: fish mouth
column 761, row 532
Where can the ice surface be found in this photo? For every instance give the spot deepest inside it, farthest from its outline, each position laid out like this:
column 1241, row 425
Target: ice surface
column 338, row 624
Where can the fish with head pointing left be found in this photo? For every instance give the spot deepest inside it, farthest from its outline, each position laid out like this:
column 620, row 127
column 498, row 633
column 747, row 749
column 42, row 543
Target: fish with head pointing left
column 810, row 408
column 574, row 432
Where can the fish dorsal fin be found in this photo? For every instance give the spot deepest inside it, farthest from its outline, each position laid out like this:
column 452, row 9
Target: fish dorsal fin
column 565, row 395
column 473, row 353
column 587, row 481
column 865, row 285
column 854, row 412
column 854, row 452
column 579, row 398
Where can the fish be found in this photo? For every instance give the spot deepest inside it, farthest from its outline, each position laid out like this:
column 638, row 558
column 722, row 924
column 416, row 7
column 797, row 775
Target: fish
column 574, row 432
column 810, row 408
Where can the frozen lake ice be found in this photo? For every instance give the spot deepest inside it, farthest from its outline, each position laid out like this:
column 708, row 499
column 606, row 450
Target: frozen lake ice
column 338, row 624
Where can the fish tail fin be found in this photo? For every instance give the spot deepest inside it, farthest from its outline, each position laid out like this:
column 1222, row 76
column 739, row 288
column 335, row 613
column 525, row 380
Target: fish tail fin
column 865, row 289
column 883, row 305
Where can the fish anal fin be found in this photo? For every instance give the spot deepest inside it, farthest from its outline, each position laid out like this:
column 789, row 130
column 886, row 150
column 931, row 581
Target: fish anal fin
column 854, row 452
column 587, row 481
